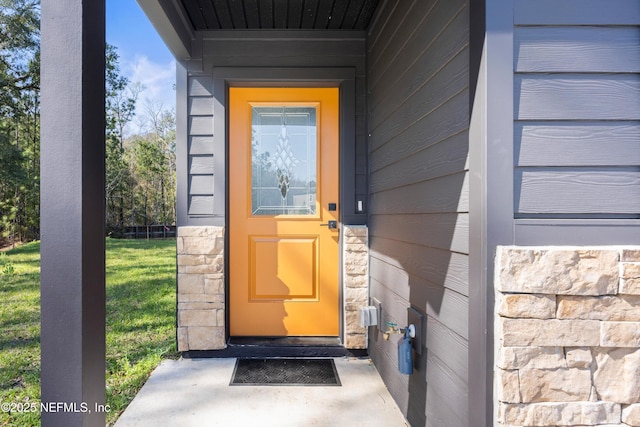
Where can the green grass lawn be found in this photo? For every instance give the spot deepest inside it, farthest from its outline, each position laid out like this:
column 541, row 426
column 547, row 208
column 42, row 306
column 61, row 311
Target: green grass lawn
column 140, row 321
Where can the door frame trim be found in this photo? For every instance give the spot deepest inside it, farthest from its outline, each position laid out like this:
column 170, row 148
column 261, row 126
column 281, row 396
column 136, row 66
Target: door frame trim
column 343, row 78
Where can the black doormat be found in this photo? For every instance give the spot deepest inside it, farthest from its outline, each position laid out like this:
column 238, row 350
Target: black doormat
column 298, row 372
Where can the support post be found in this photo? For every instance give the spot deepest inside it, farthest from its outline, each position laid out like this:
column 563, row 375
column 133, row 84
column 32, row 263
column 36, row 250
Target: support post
column 72, row 212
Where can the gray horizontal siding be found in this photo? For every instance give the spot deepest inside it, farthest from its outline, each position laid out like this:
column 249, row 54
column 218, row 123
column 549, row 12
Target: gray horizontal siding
column 200, row 86
column 444, row 410
column 201, row 106
column 440, row 88
column 201, row 165
column 578, row 191
column 577, row 109
column 396, row 81
column 577, row 143
column 448, row 156
column 577, row 97
column 577, row 49
column 449, row 346
column 201, row 184
column 577, row 12
column 425, row 263
column 418, row 82
column 443, row 194
column 444, row 123
column 201, row 125
column 199, row 144
column 200, row 158
column 200, row 205
column 447, row 231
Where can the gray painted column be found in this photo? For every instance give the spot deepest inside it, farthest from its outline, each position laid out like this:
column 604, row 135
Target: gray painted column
column 490, row 189
column 72, row 212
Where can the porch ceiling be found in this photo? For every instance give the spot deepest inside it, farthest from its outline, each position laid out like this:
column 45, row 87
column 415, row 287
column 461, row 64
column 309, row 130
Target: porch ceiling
column 279, row 14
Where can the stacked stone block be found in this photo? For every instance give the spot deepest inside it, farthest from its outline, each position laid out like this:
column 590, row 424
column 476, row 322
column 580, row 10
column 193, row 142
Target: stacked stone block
column 201, row 290
column 567, row 333
column 355, row 276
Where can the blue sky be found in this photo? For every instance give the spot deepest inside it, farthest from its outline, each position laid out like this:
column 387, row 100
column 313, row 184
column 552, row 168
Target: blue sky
column 143, row 56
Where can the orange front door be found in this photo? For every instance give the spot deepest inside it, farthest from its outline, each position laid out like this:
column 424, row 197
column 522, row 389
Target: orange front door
column 283, row 193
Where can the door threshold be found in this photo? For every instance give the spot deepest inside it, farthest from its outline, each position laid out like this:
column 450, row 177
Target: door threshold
column 276, row 347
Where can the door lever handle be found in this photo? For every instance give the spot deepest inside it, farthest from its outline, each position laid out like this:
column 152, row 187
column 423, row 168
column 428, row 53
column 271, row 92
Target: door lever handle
column 331, row 224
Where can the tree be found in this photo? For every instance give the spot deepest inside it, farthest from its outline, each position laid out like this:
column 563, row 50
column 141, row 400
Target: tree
column 19, row 46
column 163, row 134
column 154, row 167
column 121, row 99
column 140, row 171
column 19, row 119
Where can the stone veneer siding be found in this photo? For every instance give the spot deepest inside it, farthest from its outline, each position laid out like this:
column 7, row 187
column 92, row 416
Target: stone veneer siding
column 201, row 286
column 567, row 334
column 201, row 297
column 355, row 279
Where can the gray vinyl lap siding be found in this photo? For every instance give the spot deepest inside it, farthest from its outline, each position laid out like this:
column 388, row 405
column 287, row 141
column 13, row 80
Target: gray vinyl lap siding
column 418, row 82
column 200, row 148
column 577, row 109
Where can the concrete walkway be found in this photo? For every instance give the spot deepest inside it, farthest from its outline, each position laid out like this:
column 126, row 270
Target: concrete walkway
column 196, row 392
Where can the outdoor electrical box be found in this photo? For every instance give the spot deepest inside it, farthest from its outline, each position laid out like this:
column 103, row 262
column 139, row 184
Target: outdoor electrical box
column 368, row 316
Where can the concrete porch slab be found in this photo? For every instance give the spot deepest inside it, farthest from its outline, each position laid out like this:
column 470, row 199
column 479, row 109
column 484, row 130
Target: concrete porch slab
column 196, row 392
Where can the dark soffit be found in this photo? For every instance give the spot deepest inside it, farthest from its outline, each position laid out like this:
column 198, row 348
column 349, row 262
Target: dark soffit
column 279, row 14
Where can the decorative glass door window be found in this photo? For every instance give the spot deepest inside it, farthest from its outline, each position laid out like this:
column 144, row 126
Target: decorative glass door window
column 283, row 160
